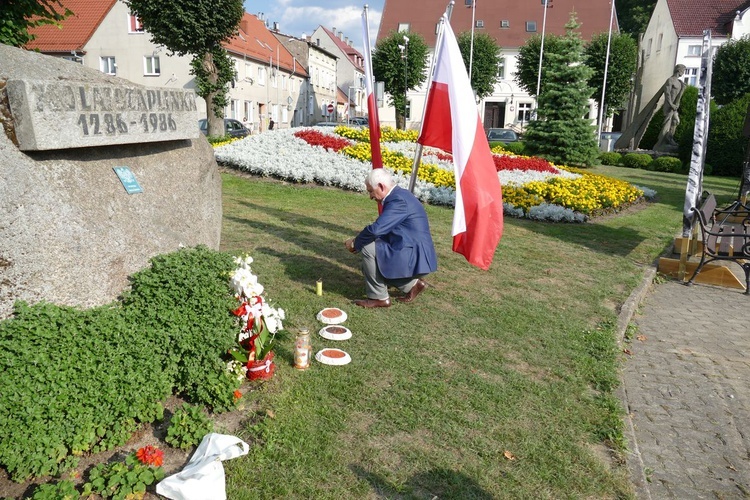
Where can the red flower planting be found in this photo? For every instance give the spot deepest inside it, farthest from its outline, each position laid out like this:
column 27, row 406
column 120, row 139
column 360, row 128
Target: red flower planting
column 150, row 455
column 503, row 162
column 315, row 138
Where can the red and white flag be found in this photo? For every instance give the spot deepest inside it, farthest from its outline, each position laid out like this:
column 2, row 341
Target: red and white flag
column 452, row 123
column 372, row 104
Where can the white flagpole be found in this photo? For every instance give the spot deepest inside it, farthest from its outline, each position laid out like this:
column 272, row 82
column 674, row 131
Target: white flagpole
column 604, row 82
column 471, row 50
column 438, row 46
column 541, row 53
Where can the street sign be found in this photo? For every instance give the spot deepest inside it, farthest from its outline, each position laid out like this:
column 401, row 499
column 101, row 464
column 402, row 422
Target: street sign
column 330, row 109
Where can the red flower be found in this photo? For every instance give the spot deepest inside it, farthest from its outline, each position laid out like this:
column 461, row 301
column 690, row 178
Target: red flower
column 150, row 455
column 237, row 395
column 315, row 138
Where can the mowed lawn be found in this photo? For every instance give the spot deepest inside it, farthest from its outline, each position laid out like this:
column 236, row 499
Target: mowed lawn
column 496, row 384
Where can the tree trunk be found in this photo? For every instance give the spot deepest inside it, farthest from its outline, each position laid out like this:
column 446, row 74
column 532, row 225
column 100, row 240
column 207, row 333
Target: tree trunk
column 215, row 123
column 400, row 120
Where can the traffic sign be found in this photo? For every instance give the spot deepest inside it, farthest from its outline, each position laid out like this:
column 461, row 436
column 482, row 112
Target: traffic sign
column 330, row 109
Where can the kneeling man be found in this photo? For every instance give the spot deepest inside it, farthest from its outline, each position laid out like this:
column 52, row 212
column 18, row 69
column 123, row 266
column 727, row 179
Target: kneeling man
column 397, row 248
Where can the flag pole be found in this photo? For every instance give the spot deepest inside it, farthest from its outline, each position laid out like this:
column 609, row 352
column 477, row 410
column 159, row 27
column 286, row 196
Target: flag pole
column 473, row 24
column 372, row 106
column 438, row 45
column 604, row 81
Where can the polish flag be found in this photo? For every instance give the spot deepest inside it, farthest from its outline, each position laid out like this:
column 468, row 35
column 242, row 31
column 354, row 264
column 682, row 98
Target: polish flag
column 452, row 123
column 372, row 104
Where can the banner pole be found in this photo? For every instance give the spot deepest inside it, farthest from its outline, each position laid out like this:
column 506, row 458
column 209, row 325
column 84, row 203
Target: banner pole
column 438, row 46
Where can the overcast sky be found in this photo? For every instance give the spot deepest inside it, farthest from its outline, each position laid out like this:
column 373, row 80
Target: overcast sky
column 296, row 17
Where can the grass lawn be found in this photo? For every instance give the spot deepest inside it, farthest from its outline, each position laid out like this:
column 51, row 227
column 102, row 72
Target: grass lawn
column 494, row 384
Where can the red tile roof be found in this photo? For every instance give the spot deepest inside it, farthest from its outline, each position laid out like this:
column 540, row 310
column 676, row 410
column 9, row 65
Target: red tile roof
column 423, row 15
column 261, row 45
column 76, row 29
column 354, row 56
column 691, row 17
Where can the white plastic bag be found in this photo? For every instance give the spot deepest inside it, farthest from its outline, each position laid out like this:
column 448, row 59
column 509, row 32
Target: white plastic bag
column 203, row 476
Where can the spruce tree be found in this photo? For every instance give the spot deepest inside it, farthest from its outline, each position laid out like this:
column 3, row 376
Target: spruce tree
column 562, row 132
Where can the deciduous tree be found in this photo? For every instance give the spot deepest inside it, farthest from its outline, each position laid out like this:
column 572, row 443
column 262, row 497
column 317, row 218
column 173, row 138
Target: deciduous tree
column 731, row 71
column 400, row 69
column 197, row 28
column 17, row 16
column 484, row 63
column 623, row 53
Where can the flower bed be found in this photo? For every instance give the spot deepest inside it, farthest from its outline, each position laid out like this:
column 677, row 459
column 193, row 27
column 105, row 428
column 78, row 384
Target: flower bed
column 342, row 158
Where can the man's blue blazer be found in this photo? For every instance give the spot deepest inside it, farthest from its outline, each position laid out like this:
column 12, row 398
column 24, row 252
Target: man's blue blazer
column 401, row 233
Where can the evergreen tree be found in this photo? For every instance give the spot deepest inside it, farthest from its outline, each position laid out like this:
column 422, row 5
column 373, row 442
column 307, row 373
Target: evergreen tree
column 484, row 63
column 398, row 69
column 562, row 133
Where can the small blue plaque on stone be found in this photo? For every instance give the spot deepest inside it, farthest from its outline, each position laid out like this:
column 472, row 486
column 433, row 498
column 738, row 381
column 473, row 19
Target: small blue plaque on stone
column 128, row 180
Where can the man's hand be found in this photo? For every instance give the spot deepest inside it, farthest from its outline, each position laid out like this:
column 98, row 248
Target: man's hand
column 349, row 244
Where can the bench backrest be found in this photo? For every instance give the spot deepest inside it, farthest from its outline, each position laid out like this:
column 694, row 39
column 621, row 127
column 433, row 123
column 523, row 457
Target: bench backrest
column 707, row 209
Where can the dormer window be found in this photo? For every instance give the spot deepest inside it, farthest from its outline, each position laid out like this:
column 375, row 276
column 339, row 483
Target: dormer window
column 505, row 23
column 479, row 24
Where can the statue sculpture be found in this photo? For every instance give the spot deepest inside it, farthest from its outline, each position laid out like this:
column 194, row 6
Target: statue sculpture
column 673, row 90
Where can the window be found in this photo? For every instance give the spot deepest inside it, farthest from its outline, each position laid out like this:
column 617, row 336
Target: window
column 468, row 3
column 261, row 75
column 284, row 114
column 524, row 112
column 658, row 42
column 403, row 27
column 479, row 24
column 505, row 23
column 107, row 65
column 501, row 68
column 694, row 50
column 283, row 82
column 648, row 47
column 77, row 59
column 310, row 105
column 531, row 26
column 274, row 79
column 407, row 115
column 324, row 108
column 275, row 113
column 151, row 66
column 134, row 25
column 691, row 76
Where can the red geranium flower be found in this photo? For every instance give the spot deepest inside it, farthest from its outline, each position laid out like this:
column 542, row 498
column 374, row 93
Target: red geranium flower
column 150, row 455
column 237, row 395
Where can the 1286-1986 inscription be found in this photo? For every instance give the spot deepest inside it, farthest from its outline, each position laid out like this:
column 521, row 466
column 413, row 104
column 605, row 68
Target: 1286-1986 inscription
column 56, row 115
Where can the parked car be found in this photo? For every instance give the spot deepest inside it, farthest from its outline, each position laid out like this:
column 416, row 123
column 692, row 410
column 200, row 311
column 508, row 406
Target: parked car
column 501, row 135
column 359, row 120
column 327, row 124
column 232, row 127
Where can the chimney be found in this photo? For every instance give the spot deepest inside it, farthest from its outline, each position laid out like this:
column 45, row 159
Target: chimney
column 346, row 40
column 334, row 30
column 260, row 16
column 341, row 35
column 276, row 26
column 245, row 25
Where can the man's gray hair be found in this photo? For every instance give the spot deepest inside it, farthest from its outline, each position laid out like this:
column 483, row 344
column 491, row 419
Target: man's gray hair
column 380, row 176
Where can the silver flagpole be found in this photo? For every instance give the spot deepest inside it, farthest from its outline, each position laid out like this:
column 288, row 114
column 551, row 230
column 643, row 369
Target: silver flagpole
column 604, row 82
column 541, row 54
column 438, row 46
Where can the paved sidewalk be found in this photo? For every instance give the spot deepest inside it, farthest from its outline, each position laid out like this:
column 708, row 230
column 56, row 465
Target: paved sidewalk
column 686, row 388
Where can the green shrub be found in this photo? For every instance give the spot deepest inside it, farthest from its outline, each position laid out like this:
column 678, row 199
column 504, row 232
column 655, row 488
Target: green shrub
column 517, row 147
column 726, row 144
column 666, row 164
column 610, row 158
column 636, row 160
column 82, row 380
column 187, row 427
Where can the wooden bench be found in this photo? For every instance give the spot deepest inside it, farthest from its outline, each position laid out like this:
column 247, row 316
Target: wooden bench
column 726, row 236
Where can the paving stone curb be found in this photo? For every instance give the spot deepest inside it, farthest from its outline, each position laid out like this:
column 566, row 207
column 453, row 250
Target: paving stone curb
column 633, row 457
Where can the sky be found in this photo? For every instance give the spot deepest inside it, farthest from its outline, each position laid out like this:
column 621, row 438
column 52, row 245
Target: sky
column 296, row 17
